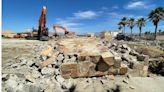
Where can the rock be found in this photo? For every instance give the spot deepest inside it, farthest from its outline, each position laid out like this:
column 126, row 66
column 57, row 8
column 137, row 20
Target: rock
column 30, row 63
column 86, row 69
column 117, row 62
column 57, row 71
column 36, row 74
column 125, row 57
column 69, row 70
column 144, row 71
column 69, row 83
column 125, row 81
column 102, row 66
column 123, row 69
column 12, row 83
column 108, row 58
column 156, row 66
column 30, row 78
column 16, row 65
column 48, row 71
column 60, row 57
column 31, row 88
column 140, row 57
column 113, row 71
column 111, row 77
column 51, row 85
column 60, row 79
column 131, row 87
column 99, row 73
column 46, row 63
column 47, row 51
column 23, row 62
column 133, row 53
column 95, row 59
column 124, row 46
column 123, row 51
column 73, row 59
column 43, row 58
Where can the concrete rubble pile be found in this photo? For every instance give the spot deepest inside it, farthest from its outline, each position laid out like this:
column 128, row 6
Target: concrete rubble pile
column 51, row 70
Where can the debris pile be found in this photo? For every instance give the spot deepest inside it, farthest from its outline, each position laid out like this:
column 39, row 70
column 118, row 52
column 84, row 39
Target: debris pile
column 51, row 69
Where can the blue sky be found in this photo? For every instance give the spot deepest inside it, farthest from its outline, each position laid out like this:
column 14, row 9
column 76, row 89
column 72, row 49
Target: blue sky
column 76, row 15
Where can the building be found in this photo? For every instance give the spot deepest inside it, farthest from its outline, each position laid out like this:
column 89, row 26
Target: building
column 109, row 34
column 90, row 34
column 9, row 34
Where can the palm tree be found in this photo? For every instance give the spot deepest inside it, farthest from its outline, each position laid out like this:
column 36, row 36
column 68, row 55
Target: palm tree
column 155, row 16
column 120, row 25
column 140, row 24
column 123, row 22
column 131, row 24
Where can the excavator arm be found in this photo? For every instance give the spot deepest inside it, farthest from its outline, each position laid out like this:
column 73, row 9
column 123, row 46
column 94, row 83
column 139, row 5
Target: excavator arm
column 55, row 27
column 42, row 29
column 67, row 33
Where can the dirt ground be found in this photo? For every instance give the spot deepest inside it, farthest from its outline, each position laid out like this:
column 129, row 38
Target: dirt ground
column 13, row 48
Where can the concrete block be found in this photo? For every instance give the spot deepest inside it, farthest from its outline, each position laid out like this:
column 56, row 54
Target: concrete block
column 144, row 71
column 117, row 62
column 69, row 70
column 86, row 69
column 123, row 69
column 108, row 57
column 102, row 66
column 111, row 77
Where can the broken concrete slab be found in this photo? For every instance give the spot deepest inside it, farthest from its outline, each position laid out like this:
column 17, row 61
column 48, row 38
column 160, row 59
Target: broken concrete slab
column 108, row 57
column 48, row 71
column 117, row 62
column 123, row 69
column 86, row 69
column 47, row 52
column 46, row 63
column 102, row 66
column 69, row 70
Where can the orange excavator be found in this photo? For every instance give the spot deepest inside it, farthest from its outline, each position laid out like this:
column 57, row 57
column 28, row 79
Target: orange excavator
column 42, row 32
column 66, row 32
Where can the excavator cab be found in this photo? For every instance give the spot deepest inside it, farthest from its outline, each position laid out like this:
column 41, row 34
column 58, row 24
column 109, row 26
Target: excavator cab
column 43, row 35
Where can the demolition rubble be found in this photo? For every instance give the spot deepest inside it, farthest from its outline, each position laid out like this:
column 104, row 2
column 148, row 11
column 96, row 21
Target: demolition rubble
column 79, row 65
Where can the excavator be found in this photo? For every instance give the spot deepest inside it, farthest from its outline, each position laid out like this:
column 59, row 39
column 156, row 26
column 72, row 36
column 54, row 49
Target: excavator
column 42, row 32
column 66, row 32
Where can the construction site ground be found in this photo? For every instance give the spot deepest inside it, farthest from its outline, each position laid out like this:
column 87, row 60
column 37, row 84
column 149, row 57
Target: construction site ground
column 15, row 48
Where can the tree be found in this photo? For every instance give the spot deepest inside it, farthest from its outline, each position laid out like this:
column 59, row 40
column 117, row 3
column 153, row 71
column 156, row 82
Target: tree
column 155, row 16
column 131, row 24
column 123, row 22
column 140, row 23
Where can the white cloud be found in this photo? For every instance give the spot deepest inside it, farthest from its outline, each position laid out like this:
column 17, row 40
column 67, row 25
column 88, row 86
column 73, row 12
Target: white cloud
column 139, row 5
column 85, row 14
column 115, row 7
column 104, row 8
column 120, row 15
column 136, row 4
column 67, row 22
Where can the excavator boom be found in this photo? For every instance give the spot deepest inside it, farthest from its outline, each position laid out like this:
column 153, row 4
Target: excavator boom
column 67, row 33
